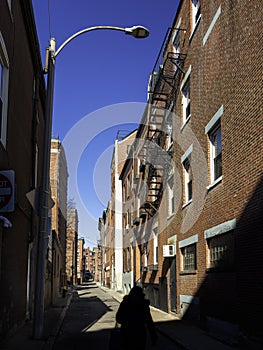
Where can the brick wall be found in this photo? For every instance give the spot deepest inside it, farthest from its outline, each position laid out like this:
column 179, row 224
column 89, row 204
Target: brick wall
column 224, row 53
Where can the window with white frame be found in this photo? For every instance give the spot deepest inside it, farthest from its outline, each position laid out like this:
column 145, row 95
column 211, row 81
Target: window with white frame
column 169, row 131
column 126, row 220
column 196, row 12
column 176, row 41
column 213, row 131
column 189, row 257
column 145, row 252
column 155, row 246
column 176, row 37
column 136, row 166
column 215, row 138
column 170, row 196
column 188, row 179
column 186, row 101
column 4, row 81
column 138, row 204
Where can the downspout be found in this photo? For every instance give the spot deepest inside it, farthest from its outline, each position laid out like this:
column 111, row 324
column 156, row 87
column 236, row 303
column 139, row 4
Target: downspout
column 31, row 243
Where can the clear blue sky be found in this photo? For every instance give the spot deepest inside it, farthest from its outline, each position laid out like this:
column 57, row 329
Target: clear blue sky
column 100, row 86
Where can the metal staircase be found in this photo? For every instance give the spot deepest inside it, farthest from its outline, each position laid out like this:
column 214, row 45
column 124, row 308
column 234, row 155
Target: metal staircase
column 163, row 88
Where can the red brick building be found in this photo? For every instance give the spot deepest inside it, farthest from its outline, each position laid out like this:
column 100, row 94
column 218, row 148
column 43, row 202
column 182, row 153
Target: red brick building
column 197, row 192
column 72, row 245
column 80, row 260
column 59, row 191
column 22, row 104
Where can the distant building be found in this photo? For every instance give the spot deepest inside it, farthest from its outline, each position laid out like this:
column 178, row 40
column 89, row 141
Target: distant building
column 59, row 186
column 102, row 244
column 80, row 260
column 122, row 150
column 111, row 223
column 72, row 245
column 107, row 243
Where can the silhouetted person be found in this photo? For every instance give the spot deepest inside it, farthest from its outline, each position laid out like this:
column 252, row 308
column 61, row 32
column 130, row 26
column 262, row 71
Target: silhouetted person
column 135, row 317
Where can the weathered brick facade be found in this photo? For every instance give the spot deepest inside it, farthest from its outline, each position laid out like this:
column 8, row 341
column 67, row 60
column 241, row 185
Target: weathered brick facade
column 59, row 190
column 21, row 150
column 72, row 245
column 200, row 180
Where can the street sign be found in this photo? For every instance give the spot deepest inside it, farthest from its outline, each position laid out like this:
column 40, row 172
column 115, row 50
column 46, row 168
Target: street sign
column 7, row 190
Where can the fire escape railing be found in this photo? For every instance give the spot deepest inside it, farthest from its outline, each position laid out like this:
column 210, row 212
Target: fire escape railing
column 163, row 88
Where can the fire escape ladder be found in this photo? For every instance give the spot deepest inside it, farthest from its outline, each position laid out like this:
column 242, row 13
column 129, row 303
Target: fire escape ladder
column 164, row 86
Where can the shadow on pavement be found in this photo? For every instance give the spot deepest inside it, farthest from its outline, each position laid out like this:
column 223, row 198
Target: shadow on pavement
column 87, row 339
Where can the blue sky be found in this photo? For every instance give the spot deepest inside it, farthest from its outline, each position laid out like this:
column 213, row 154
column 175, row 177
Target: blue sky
column 95, row 72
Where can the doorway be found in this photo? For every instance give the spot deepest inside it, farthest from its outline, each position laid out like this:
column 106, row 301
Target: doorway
column 173, row 285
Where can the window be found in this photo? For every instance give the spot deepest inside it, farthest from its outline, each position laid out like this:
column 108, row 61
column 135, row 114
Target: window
column 128, row 259
column 128, row 186
column 176, row 41
column 125, row 221
column 170, row 196
column 169, row 132
column 4, row 79
column 132, row 215
column 221, row 250
column 128, row 219
column 188, row 182
column 155, row 246
column 215, row 138
column 136, row 166
column 213, row 130
column 138, row 204
column 196, row 13
column 189, row 257
column 176, row 37
column 186, row 101
column 145, row 252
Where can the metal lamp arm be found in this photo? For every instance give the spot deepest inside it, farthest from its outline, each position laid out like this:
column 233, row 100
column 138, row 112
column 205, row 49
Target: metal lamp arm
column 85, row 31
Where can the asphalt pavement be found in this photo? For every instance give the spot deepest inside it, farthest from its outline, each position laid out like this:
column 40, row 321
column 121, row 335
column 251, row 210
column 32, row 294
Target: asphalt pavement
column 90, row 318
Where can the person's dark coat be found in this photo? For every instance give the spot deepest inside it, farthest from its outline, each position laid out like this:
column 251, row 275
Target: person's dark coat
column 134, row 316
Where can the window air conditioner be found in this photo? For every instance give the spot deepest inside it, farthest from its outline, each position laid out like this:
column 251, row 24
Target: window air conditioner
column 169, row 250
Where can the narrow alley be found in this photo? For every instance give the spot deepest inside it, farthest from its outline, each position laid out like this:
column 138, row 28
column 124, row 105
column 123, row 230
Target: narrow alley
column 86, row 316
column 89, row 319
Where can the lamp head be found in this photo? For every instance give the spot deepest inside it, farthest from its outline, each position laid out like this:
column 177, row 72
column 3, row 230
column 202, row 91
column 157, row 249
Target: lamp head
column 139, row 32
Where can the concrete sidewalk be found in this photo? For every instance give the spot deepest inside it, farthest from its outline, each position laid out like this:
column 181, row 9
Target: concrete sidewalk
column 188, row 337
column 53, row 318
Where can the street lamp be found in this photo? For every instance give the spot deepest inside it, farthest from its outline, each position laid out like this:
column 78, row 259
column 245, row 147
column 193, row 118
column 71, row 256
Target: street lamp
column 138, row 32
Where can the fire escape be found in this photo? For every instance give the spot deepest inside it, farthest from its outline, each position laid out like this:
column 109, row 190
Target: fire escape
column 163, row 88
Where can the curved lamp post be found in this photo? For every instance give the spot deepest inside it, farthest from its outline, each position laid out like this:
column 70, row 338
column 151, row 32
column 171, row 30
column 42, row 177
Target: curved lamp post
column 138, row 32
